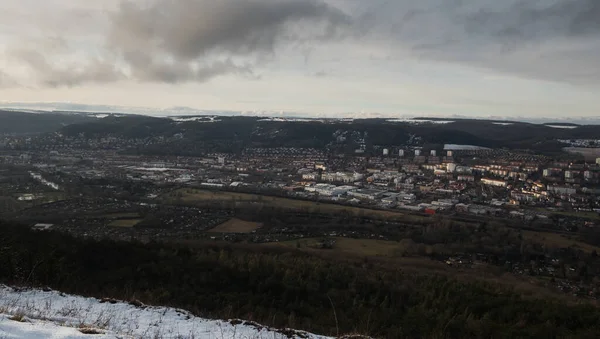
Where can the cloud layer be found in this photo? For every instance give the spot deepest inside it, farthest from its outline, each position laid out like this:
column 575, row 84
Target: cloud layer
column 186, row 40
column 170, row 41
column 555, row 40
column 166, row 41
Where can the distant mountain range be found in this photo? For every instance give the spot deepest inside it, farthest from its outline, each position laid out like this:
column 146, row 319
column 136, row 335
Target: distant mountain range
column 181, row 110
column 199, row 134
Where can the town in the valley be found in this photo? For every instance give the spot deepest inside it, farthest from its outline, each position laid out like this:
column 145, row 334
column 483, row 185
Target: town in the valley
column 464, row 206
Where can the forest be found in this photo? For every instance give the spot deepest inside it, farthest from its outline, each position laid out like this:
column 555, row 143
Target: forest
column 287, row 289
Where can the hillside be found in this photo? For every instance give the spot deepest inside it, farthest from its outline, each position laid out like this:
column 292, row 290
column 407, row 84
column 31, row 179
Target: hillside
column 280, row 287
column 223, row 133
column 195, row 135
column 14, row 122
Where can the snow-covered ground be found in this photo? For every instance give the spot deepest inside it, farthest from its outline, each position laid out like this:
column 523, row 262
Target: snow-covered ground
column 503, row 123
column 205, row 119
column 290, row 120
column 50, row 314
column 420, row 121
column 153, row 169
column 581, row 142
column 455, row 147
column 41, row 179
column 562, row 126
column 34, row 329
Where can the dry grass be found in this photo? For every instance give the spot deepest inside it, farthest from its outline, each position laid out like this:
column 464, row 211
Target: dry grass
column 20, row 317
column 125, row 223
column 348, row 246
column 382, row 254
column 236, row 225
column 576, row 214
column 197, row 196
column 557, row 241
column 90, row 330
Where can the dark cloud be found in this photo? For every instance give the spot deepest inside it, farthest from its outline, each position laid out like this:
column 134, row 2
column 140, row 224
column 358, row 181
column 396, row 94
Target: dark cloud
column 185, row 41
column 536, row 20
column 188, row 29
column 176, row 41
column 544, row 39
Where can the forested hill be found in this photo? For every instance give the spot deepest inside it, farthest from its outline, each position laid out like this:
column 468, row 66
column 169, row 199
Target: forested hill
column 30, row 123
column 231, row 133
column 320, row 133
column 287, row 289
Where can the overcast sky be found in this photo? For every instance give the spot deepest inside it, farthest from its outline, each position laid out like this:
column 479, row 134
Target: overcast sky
column 323, row 57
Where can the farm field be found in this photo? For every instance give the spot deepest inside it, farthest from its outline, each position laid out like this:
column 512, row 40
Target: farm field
column 197, row 196
column 124, row 223
column 360, row 247
column 558, row 241
column 236, row 225
column 124, row 215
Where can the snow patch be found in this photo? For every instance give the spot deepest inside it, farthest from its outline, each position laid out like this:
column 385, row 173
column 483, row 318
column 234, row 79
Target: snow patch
column 289, row 120
column 455, row 147
column 561, row 126
column 35, row 329
column 503, row 123
column 586, row 143
column 43, row 181
column 204, row 119
column 51, row 314
column 152, row 169
column 420, row 121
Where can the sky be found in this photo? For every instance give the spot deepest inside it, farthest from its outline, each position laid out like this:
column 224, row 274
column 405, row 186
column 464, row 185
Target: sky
column 480, row 58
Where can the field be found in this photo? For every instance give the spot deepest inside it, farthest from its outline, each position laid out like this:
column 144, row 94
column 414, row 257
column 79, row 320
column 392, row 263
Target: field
column 197, row 197
column 124, row 215
column 577, row 214
column 349, row 246
column 557, row 241
column 125, row 223
column 235, row 225
column 385, row 253
column 389, row 254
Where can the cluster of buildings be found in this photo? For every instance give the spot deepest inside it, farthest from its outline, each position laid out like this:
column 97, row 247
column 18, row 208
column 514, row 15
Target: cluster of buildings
column 411, row 178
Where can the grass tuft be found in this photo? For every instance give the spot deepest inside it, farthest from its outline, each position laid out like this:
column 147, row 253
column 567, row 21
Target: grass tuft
column 90, row 330
column 20, row 317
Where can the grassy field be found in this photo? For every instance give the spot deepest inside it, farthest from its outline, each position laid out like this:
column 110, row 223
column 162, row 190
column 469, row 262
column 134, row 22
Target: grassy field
column 235, row 225
column 557, row 241
column 576, row 214
column 125, row 222
column 348, row 246
column 587, row 215
column 196, row 196
column 125, row 215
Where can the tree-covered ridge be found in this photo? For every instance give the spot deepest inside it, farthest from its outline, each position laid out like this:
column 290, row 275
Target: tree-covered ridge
column 286, row 289
column 201, row 134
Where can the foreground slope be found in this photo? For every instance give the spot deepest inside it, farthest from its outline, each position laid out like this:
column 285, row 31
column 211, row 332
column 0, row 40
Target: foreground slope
column 49, row 314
